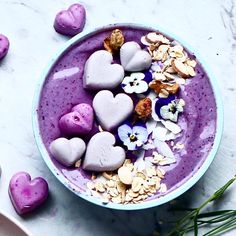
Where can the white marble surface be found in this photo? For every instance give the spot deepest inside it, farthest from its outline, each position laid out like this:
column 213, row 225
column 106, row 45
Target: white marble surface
column 209, row 26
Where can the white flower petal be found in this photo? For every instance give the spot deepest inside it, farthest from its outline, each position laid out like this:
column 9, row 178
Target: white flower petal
column 130, row 145
column 127, row 80
column 171, row 126
column 148, row 146
column 170, row 136
column 138, row 75
column 141, row 87
column 164, row 149
column 154, row 115
column 141, row 133
column 129, row 89
column 123, row 132
column 152, row 95
column 159, row 132
column 151, row 125
column 140, row 163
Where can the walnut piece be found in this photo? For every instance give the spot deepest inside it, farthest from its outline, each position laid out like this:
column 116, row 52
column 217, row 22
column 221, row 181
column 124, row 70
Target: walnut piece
column 158, row 87
column 143, row 108
column 113, row 43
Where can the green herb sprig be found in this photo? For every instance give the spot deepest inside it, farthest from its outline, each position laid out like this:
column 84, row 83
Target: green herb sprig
column 223, row 220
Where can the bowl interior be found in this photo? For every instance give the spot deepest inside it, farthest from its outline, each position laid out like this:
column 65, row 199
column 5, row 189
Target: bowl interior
column 60, row 87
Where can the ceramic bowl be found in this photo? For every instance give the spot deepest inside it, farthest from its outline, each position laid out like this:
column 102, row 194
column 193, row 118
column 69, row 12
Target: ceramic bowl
column 78, row 189
column 9, row 226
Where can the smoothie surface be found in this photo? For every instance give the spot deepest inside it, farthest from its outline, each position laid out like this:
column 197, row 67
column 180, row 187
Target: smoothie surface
column 63, row 88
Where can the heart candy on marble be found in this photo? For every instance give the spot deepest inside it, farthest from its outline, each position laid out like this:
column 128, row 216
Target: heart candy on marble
column 4, row 46
column 77, row 122
column 133, row 58
column 26, row 194
column 70, row 22
column 102, row 155
column 100, row 73
column 112, row 111
column 67, row 152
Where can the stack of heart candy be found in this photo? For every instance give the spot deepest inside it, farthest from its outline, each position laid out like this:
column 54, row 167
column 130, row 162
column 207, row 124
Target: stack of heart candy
column 136, row 107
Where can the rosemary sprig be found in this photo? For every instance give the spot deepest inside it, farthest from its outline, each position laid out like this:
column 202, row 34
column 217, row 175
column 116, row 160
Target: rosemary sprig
column 195, row 219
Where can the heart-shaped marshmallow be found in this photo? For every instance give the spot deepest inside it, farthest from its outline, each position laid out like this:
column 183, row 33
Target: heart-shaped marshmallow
column 70, row 22
column 26, row 194
column 133, row 58
column 102, row 155
column 112, row 111
column 4, row 46
column 99, row 73
column 79, row 121
column 67, row 152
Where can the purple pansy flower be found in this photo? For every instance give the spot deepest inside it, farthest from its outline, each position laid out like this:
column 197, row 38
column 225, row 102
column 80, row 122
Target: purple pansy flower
column 133, row 137
column 163, row 102
column 169, row 108
column 135, row 83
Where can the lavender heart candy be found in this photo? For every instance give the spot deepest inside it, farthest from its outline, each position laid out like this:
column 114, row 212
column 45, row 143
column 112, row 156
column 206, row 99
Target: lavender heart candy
column 133, row 58
column 66, row 151
column 102, row 155
column 4, row 46
column 71, row 21
column 112, row 111
column 26, row 194
column 100, row 73
column 77, row 122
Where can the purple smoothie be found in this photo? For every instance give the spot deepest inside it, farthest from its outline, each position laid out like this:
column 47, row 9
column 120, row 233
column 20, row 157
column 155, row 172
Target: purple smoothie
column 63, row 89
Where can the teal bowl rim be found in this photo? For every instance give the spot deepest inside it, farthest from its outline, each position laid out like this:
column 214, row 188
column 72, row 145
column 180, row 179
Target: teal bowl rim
column 154, row 202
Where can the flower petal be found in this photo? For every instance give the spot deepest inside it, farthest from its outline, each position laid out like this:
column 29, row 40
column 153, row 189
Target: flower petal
column 124, row 131
column 141, row 133
column 130, row 145
column 138, row 75
column 127, row 80
column 141, row 87
column 129, row 89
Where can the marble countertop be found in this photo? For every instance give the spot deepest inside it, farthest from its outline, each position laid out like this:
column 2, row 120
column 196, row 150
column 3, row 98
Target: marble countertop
column 209, row 26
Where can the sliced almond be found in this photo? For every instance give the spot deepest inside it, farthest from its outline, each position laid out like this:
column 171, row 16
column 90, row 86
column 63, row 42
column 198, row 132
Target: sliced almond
column 141, row 175
column 137, row 184
column 180, row 68
column 113, row 192
column 78, row 163
column 151, row 171
column 191, row 63
column 191, row 71
column 159, row 76
column 94, row 176
column 107, row 175
column 100, row 187
column 164, row 93
column 110, row 184
column 170, row 70
column 159, row 173
column 121, row 187
column 169, row 76
column 90, row 185
column 125, row 175
column 163, row 188
column 116, row 199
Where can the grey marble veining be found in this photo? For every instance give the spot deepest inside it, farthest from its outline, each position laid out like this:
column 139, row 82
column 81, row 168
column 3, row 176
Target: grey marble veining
column 209, row 26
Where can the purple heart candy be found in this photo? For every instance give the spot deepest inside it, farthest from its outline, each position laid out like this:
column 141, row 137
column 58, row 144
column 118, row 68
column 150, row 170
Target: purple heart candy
column 4, row 46
column 70, row 22
column 79, row 121
column 26, row 194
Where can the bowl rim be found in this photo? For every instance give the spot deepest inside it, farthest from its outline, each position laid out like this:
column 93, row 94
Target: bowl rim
column 154, row 202
column 15, row 222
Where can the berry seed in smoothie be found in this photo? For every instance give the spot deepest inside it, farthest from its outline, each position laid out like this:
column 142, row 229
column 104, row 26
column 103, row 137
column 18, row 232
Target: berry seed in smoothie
column 151, row 119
